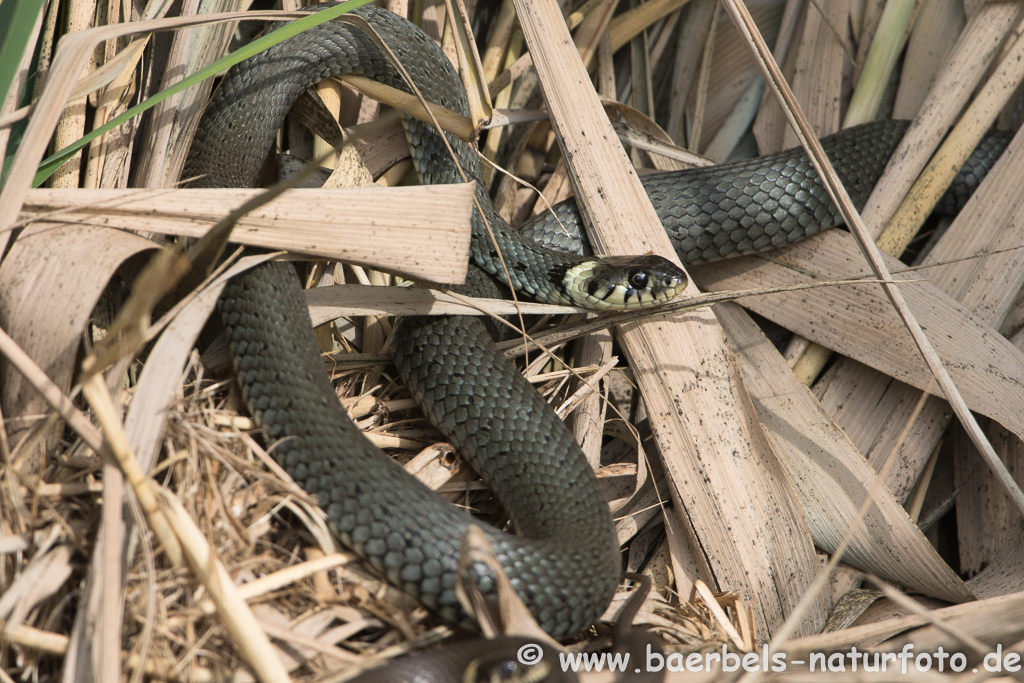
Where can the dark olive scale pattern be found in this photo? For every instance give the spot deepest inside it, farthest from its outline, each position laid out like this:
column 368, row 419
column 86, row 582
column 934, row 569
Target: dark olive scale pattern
column 767, row 202
column 565, row 565
column 562, row 564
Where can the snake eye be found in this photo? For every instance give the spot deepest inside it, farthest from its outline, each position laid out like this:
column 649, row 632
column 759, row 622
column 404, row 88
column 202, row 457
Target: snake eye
column 638, row 279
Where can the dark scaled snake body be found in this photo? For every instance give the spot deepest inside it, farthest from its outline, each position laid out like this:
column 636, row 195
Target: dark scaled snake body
column 565, row 562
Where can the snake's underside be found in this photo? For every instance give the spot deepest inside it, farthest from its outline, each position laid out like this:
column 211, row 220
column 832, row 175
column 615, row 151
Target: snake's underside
column 565, row 562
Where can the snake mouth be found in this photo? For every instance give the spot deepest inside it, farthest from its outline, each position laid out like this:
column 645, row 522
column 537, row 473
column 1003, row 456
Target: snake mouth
column 624, row 282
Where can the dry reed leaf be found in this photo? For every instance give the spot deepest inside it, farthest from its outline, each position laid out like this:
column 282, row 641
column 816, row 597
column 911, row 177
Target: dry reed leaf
column 664, row 155
column 1003, row 574
column 174, row 121
column 993, row 620
column 820, row 62
column 42, row 577
column 379, row 227
column 990, row 530
column 860, row 323
column 831, row 477
column 381, row 144
column 746, row 491
column 695, row 26
column 640, row 88
column 51, row 280
column 939, row 25
column 732, row 71
column 328, row 303
column 985, row 519
column 770, row 123
column 823, row 100
column 644, row 133
column 999, row 624
column 821, row 59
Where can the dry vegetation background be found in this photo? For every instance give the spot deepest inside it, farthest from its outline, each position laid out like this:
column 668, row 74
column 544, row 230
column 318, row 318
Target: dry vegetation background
column 183, row 551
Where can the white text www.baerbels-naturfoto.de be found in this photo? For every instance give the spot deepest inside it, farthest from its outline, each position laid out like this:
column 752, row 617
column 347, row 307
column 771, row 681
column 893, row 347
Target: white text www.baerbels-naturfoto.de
column 902, row 661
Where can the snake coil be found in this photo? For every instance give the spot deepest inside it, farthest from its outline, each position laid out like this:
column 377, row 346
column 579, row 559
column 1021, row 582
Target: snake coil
column 565, row 564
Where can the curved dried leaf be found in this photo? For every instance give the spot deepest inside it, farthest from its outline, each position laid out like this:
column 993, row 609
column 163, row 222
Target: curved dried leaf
column 831, row 477
column 50, row 282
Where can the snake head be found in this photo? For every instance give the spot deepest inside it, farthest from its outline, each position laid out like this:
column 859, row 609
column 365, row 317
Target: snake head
column 624, row 282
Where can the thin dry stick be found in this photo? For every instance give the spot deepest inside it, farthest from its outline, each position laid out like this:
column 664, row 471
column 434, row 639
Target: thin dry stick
column 770, row 69
column 567, row 332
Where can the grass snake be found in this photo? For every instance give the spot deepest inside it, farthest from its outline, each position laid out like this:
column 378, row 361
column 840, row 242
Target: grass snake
column 565, row 562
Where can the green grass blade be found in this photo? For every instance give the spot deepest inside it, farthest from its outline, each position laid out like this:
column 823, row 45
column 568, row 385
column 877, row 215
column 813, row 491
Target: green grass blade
column 17, row 19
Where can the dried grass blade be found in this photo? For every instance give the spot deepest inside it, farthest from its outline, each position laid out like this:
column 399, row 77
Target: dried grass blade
column 49, row 314
column 234, row 613
column 742, row 489
column 386, row 228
